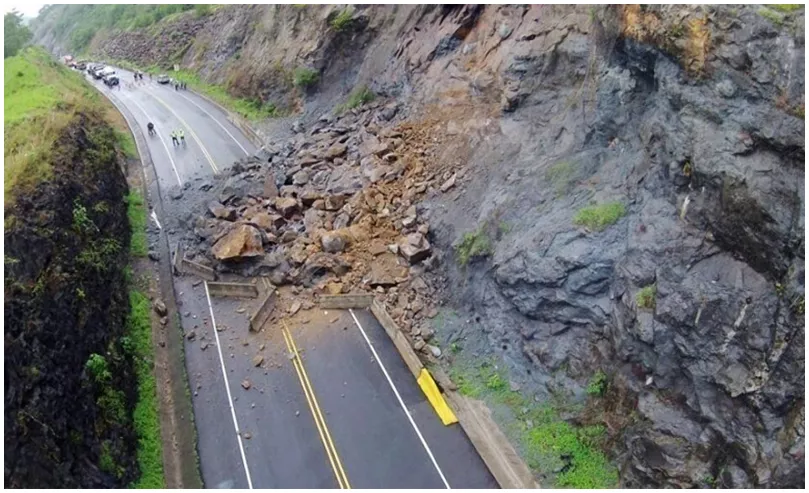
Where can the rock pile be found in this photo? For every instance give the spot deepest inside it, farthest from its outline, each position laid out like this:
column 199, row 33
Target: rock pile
column 331, row 210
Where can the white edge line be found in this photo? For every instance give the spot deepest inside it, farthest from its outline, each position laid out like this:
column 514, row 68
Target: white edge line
column 227, row 388
column 217, row 122
column 154, row 217
column 171, row 160
column 401, row 402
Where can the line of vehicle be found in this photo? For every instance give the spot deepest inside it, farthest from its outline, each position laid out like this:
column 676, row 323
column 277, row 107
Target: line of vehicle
column 149, row 118
column 401, row 401
column 227, row 389
column 190, row 130
column 320, row 422
column 217, row 122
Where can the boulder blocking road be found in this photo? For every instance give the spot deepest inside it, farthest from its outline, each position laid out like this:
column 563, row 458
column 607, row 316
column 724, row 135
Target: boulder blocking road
column 324, row 401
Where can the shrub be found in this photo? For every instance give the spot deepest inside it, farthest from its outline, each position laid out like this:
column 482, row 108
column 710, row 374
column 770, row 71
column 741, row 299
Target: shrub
column 358, row 96
column 201, row 10
column 599, row 217
column 598, row 384
column 646, row 297
column 786, row 7
column 305, row 77
column 771, row 16
column 342, row 20
column 474, row 244
column 97, row 367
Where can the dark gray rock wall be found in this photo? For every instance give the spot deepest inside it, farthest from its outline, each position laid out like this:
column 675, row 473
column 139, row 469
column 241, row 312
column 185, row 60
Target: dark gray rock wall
column 711, row 173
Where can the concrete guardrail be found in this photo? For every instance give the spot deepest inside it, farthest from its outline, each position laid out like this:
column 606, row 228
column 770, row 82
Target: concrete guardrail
column 197, row 269
column 263, row 313
column 233, row 289
column 345, row 301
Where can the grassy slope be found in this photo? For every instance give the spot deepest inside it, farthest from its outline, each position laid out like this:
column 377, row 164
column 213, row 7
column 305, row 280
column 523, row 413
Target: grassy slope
column 41, row 98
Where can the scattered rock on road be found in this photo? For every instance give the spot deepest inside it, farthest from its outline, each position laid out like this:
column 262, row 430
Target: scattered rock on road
column 258, row 360
column 246, row 384
column 296, row 306
column 160, row 307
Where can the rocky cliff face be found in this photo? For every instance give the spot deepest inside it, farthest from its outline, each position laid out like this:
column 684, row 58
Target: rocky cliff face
column 634, row 176
column 66, row 245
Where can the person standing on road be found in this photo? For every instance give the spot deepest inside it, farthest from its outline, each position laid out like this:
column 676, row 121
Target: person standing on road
column 174, row 140
column 181, row 134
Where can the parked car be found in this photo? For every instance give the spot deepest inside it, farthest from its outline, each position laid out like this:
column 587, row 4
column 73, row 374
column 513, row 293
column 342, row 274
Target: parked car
column 163, row 79
column 111, row 81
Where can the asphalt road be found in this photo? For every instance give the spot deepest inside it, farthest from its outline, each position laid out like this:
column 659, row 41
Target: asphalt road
column 319, row 411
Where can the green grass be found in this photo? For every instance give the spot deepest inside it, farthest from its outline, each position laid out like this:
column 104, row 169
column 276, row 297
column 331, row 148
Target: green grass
column 41, row 99
column 358, row 96
column 127, row 143
column 645, row 298
column 561, row 175
column 146, row 415
column 549, row 438
column 474, row 244
column 136, row 211
column 305, row 77
column 599, row 217
column 342, row 20
column 771, row 15
column 598, row 384
column 786, row 7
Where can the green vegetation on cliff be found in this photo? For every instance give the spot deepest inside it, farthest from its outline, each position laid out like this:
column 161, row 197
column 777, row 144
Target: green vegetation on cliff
column 78, row 353
column 84, row 21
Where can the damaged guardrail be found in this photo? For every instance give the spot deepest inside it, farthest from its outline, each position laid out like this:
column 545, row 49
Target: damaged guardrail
column 233, row 289
column 263, row 313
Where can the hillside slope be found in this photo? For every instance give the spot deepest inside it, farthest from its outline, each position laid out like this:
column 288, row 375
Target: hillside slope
column 622, row 228
column 71, row 376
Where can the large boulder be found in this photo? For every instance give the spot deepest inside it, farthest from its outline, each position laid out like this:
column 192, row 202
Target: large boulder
column 414, row 248
column 333, row 242
column 243, row 241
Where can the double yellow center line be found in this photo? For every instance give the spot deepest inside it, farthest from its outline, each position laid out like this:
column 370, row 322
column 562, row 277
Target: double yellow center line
column 322, row 429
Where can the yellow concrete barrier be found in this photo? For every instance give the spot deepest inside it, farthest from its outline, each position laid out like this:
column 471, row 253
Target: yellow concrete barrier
column 430, row 389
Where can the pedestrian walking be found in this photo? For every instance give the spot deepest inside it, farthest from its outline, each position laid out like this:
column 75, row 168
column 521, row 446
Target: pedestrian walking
column 174, row 140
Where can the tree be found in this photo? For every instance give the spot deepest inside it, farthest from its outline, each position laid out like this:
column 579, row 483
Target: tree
column 15, row 33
